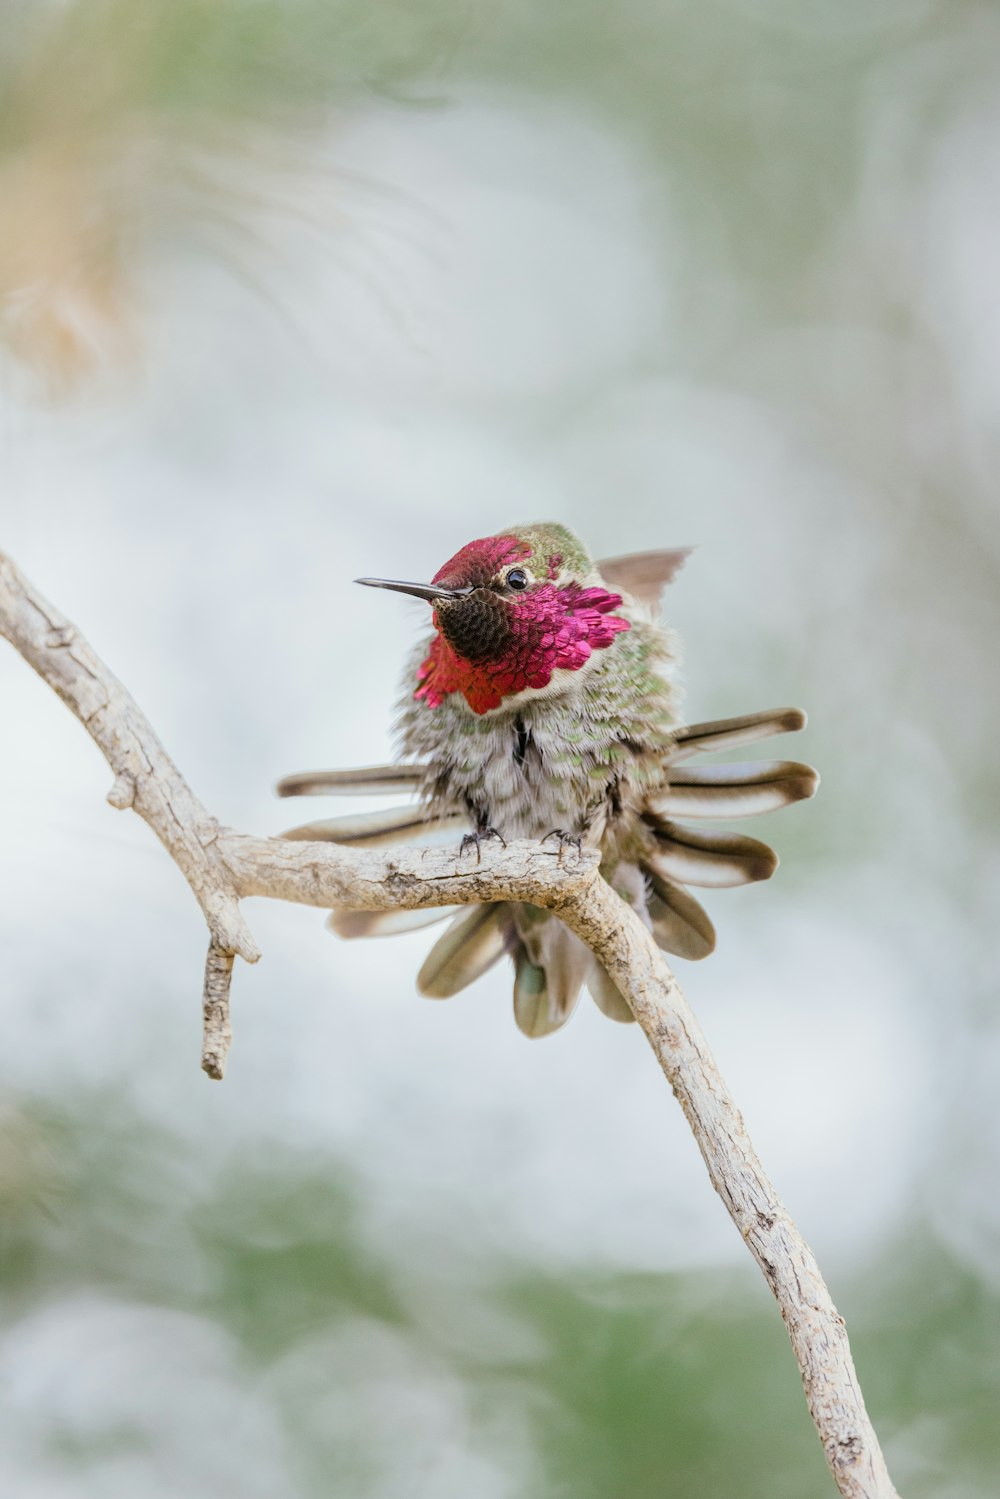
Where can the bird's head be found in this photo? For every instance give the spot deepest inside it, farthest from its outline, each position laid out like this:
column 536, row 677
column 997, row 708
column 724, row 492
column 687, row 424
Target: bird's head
column 511, row 611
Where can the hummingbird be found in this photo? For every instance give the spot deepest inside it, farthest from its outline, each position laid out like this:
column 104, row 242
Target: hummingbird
column 545, row 704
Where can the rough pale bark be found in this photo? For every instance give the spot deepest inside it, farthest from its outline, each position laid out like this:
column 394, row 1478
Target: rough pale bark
column 223, row 866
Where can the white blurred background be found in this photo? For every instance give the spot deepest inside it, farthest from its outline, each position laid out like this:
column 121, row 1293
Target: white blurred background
column 294, row 293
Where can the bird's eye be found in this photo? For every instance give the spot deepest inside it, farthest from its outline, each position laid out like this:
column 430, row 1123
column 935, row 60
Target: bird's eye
column 517, row 579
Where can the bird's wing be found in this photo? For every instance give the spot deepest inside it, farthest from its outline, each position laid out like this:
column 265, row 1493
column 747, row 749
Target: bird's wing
column 644, row 574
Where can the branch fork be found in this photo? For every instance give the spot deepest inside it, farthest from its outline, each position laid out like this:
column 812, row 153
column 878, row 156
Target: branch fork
column 223, row 866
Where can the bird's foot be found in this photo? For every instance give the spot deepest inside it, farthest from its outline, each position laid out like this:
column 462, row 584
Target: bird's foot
column 566, row 840
column 477, row 839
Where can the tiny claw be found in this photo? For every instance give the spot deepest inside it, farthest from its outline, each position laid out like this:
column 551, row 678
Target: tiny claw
column 566, row 840
column 477, row 839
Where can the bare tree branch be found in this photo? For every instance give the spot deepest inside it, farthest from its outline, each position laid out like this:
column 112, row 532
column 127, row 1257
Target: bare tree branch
column 223, row 866
column 146, row 779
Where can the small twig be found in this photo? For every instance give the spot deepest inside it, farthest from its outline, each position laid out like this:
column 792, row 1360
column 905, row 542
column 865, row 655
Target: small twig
column 222, row 866
column 217, row 1035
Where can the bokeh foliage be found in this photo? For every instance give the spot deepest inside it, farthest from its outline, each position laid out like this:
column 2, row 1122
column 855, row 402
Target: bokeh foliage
column 595, row 1383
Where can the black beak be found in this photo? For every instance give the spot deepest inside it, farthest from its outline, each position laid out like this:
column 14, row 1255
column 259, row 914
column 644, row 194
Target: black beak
column 429, row 591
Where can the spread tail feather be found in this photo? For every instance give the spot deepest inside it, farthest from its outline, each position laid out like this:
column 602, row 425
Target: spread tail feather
column 378, row 829
column 730, row 733
column 735, row 790
column 551, row 964
column 366, row 780
column 532, row 1011
column 680, row 925
column 714, row 860
column 607, row 996
column 476, row 939
column 351, row 924
column 550, row 967
column 629, row 882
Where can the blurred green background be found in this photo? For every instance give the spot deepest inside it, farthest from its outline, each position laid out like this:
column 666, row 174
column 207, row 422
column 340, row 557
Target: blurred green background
column 295, row 291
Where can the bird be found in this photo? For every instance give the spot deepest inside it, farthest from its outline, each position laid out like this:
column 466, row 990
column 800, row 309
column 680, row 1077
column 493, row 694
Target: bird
column 545, row 704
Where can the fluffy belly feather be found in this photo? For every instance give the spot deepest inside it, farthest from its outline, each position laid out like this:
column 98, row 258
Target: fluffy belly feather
column 581, row 759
